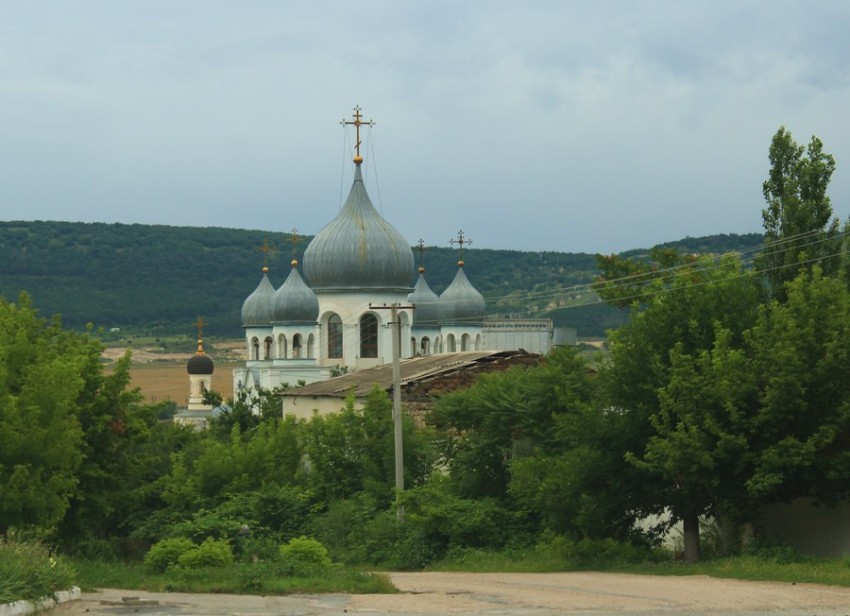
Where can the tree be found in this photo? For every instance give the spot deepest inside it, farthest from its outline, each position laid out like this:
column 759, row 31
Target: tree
column 798, row 223
column 504, row 416
column 800, row 435
column 41, row 377
column 657, row 375
column 699, row 447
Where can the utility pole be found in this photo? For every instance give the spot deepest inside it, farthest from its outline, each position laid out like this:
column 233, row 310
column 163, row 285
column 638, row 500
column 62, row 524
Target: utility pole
column 395, row 323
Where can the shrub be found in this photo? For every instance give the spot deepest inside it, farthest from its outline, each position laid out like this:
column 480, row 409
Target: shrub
column 211, row 553
column 167, row 552
column 28, row 571
column 304, row 556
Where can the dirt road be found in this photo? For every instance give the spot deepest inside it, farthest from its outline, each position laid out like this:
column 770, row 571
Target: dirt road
column 491, row 594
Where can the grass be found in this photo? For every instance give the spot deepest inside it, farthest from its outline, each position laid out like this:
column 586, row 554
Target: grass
column 606, row 557
column 238, row 578
column 29, row 572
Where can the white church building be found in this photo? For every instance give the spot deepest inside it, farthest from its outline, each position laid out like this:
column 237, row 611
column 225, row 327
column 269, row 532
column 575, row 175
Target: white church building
column 357, row 272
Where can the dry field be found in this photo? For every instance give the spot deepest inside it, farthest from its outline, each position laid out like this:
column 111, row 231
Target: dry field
column 163, row 376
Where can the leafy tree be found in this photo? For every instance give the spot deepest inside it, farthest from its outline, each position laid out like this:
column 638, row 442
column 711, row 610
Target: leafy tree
column 352, row 451
column 42, row 371
column 505, row 416
column 699, row 449
column 798, row 223
column 626, row 281
column 113, row 423
column 800, row 434
column 651, row 377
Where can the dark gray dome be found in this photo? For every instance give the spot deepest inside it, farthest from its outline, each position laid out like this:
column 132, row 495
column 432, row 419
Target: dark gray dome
column 200, row 363
column 427, row 312
column 461, row 303
column 294, row 301
column 358, row 249
column 256, row 309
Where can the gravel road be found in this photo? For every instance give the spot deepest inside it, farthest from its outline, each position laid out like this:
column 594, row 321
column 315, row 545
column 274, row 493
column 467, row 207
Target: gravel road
column 491, row 594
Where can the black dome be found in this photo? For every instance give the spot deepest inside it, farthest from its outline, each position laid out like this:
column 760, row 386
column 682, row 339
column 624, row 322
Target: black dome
column 200, row 364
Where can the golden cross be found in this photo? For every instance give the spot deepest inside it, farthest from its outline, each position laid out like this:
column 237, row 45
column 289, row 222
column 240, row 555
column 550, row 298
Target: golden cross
column 265, row 249
column 460, row 241
column 421, row 250
column 200, row 325
column 293, row 238
column 357, row 123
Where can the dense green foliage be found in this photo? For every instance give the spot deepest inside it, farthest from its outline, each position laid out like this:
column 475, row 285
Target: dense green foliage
column 155, row 280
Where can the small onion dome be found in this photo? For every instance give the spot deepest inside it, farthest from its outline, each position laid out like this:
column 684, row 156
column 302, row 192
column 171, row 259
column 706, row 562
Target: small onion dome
column 200, row 364
column 427, row 312
column 461, row 303
column 256, row 310
column 358, row 249
column 294, row 301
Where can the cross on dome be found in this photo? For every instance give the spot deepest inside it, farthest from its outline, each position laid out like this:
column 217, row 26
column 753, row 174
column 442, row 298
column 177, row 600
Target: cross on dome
column 265, row 248
column 200, row 325
column 293, row 238
column 357, row 123
column 460, row 241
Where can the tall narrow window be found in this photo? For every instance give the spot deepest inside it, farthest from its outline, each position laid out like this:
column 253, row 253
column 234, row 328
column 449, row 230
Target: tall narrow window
column 334, row 336
column 267, row 346
column 368, row 335
column 296, row 345
column 255, row 348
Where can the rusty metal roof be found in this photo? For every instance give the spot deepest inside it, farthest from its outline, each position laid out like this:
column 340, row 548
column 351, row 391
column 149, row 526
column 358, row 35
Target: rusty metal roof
column 413, row 370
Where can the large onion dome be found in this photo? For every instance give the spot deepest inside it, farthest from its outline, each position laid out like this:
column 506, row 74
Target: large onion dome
column 358, row 249
column 200, row 362
column 294, row 301
column 461, row 303
column 427, row 312
column 256, row 309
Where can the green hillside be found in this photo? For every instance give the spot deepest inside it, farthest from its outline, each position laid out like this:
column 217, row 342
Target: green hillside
column 156, row 279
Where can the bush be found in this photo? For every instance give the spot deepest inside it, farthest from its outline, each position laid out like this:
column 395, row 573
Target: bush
column 304, row 557
column 211, row 553
column 28, row 571
column 167, row 552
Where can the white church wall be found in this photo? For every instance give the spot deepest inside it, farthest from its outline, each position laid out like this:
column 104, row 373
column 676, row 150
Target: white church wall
column 351, row 307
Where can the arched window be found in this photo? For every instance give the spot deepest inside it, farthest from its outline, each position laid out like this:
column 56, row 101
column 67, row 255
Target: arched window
column 282, row 351
column 425, row 346
column 464, row 342
column 310, row 350
column 255, row 348
column 267, row 347
column 368, row 335
column 478, row 342
column 296, row 345
column 334, row 336
column 450, row 343
column 413, row 344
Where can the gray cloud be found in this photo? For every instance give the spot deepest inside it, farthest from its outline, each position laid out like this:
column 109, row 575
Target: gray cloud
column 544, row 126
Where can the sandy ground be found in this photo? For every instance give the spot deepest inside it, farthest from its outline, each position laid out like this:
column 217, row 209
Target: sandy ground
column 541, row 594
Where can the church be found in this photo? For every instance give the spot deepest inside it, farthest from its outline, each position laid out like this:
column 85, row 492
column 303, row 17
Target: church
column 357, row 291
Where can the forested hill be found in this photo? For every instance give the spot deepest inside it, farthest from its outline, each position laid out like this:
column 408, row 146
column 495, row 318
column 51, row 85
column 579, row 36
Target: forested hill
column 159, row 279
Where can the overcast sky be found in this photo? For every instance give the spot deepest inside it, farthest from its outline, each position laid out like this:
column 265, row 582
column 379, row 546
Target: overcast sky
column 570, row 126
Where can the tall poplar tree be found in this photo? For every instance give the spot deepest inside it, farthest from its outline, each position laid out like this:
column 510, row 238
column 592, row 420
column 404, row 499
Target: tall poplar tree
column 799, row 228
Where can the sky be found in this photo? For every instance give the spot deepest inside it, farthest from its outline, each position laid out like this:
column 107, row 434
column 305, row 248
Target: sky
column 542, row 125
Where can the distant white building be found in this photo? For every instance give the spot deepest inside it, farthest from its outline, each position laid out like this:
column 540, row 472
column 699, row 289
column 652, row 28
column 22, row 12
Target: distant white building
column 200, row 368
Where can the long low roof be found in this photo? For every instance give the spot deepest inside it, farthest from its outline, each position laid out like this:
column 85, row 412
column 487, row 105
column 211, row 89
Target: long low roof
column 412, row 370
